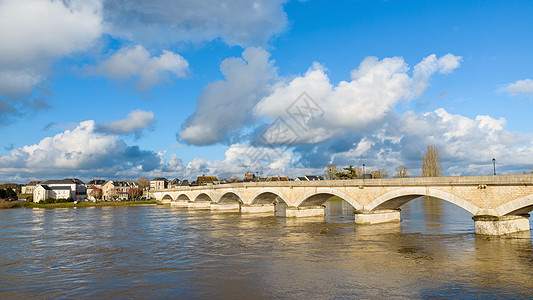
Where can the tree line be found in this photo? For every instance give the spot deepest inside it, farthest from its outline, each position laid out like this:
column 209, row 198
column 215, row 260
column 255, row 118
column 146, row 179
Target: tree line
column 431, row 167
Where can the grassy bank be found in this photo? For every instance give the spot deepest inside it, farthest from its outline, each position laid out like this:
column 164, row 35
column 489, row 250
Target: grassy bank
column 13, row 204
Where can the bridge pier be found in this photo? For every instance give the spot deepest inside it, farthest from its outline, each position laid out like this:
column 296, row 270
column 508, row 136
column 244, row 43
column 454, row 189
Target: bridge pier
column 257, row 208
column 492, row 225
column 226, row 206
column 180, row 203
column 304, row 211
column 377, row 216
column 199, row 205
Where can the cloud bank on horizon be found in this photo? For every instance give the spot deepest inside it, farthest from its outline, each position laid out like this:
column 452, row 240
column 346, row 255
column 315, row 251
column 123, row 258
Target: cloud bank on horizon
column 370, row 116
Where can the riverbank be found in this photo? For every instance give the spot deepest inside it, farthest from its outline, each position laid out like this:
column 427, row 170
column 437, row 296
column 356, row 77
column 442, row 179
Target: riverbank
column 15, row 204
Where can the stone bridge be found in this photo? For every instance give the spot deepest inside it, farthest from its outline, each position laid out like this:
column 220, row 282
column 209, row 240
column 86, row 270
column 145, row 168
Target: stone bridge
column 499, row 203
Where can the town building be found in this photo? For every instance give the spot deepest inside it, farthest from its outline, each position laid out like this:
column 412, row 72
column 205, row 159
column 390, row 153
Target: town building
column 207, row 180
column 60, row 189
column 158, row 183
column 29, row 187
column 278, row 178
column 117, row 190
column 248, row 177
column 174, row 183
column 94, row 184
column 307, row 178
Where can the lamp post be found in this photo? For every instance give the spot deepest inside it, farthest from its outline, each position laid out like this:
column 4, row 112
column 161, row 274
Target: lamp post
column 494, row 165
column 363, row 171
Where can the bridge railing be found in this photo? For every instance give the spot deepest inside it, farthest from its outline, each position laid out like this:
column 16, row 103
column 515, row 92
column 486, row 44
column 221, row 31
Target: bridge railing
column 517, row 179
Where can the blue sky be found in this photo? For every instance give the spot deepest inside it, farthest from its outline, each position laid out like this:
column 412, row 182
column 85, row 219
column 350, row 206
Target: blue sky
column 123, row 89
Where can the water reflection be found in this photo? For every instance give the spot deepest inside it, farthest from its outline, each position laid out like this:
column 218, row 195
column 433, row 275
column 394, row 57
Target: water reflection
column 167, row 252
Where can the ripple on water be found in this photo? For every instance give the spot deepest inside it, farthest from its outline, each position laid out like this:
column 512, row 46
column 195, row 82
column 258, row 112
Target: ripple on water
column 164, row 252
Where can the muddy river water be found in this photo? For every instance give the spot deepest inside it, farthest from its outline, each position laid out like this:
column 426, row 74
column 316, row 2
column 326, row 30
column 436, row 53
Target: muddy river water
column 157, row 252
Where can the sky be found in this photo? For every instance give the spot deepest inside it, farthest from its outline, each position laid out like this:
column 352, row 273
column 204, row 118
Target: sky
column 121, row 89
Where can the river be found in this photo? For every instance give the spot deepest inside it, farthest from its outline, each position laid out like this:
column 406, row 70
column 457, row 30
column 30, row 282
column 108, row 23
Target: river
column 157, row 252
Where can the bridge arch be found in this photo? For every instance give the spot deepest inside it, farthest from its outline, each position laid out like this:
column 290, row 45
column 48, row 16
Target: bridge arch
column 183, row 197
column 397, row 198
column 267, row 196
column 321, row 195
column 167, row 197
column 203, row 197
column 230, row 197
column 519, row 206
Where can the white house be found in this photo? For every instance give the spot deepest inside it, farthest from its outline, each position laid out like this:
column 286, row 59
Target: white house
column 60, row 189
column 29, row 187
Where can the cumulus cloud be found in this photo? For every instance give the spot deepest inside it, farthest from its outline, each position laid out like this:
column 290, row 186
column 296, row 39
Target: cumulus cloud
column 225, row 106
column 375, row 88
column 429, row 66
column 135, row 123
column 241, row 158
column 40, row 32
column 137, row 63
column 466, row 145
column 519, row 88
column 80, row 150
column 236, row 22
column 252, row 90
column 35, row 34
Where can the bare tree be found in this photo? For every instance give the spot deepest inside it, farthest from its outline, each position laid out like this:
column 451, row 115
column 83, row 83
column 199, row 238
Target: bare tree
column 134, row 193
column 401, row 172
column 331, row 172
column 379, row 173
column 431, row 164
column 143, row 182
column 96, row 193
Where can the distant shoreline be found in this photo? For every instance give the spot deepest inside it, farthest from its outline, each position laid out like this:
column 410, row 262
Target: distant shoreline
column 24, row 204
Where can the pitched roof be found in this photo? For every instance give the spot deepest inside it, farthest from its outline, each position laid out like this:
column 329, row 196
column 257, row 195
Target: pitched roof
column 46, row 187
column 175, row 181
column 206, row 178
column 159, row 179
column 96, row 181
column 76, row 180
column 121, row 183
column 64, row 181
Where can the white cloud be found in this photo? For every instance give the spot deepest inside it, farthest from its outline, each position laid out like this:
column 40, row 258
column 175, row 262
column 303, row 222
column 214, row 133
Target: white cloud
column 459, row 138
column 241, row 158
column 225, row 106
column 82, row 150
column 137, row 63
column 428, row 66
column 375, row 88
column 35, row 33
column 135, row 122
column 236, row 22
column 466, row 145
column 520, row 87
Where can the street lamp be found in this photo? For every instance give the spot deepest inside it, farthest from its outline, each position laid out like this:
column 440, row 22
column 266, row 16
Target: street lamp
column 363, row 170
column 494, row 165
